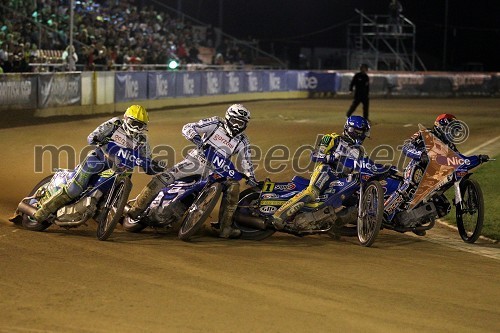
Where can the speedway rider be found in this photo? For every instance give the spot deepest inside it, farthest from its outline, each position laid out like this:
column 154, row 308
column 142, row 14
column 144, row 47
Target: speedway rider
column 330, row 158
column 415, row 149
column 227, row 137
column 129, row 131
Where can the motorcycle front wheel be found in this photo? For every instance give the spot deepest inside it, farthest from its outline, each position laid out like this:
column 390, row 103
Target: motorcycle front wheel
column 113, row 212
column 372, row 213
column 470, row 214
column 199, row 211
column 30, row 223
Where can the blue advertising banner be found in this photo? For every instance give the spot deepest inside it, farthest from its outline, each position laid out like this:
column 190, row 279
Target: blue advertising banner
column 18, row 91
column 298, row 80
column 274, row 81
column 131, row 86
column 322, row 82
column 188, row 84
column 234, row 82
column 253, row 82
column 212, row 83
column 161, row 84
column 59, row 89
column 43, row 90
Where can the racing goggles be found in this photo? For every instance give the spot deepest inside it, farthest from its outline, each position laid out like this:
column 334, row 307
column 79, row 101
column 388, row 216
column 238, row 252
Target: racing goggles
column 446, row 121
column 136, row 124
column 237, row 123
column 359, row 132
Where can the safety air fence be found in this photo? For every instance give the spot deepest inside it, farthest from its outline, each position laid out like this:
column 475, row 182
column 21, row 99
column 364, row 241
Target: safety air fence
column 38, row 91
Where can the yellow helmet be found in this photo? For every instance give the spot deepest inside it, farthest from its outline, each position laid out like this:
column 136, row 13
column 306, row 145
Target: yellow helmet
column 138, row 113
column 136, row 120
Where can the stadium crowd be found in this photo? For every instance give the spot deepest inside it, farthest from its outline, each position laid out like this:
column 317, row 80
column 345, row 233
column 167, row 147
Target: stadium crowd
column 108, row 35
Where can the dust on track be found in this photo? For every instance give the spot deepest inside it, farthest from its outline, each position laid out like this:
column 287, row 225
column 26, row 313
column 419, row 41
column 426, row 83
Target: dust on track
column 67, row 281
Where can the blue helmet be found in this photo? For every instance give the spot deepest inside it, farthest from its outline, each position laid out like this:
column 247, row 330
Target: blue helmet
column 356, row 129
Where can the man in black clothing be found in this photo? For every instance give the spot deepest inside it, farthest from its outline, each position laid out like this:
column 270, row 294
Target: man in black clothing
column 361, row 84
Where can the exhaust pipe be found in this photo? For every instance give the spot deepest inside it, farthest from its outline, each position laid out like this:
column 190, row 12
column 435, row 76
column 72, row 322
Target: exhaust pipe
column 26, row 209
column 250, row 221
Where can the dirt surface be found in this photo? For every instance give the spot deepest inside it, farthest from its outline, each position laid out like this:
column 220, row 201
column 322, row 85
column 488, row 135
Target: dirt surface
column 67, row 281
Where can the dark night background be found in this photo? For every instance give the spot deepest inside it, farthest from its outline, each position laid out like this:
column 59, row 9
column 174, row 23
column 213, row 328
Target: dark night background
column 285, row 26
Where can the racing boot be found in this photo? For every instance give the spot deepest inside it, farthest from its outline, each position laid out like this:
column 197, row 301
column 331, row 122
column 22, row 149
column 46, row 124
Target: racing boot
column 226, row 229
column 50, row 206
column 276, row 222
column 281, row 215
column 228, row 207
column 419, row 232
column 292, row 206
column 148, row 193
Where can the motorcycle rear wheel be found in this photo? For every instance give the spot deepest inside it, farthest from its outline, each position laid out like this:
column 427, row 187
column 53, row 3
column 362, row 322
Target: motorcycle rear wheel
column 199, row 211
column 30, row 223
column 470, row 215
column 372, row 210
column 119, row 197
column 247, row 202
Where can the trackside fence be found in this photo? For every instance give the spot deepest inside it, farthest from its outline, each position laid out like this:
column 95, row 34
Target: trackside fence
column 51, row 90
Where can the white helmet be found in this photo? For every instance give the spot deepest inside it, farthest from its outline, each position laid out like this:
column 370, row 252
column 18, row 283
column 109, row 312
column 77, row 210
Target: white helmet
column 237, row 118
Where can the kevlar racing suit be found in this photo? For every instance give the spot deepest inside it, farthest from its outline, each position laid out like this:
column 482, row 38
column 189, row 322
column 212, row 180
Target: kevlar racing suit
column 332, row 151
column 213, row 133
column 96, row 161
column 414, row 148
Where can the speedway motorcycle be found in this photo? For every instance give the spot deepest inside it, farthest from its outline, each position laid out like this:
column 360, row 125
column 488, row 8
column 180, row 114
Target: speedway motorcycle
column 356, row 199
column 444, row 170
column 103, row 200
column 188, row 200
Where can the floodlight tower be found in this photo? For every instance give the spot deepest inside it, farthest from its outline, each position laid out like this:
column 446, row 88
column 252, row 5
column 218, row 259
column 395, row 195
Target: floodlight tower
column 383, row 43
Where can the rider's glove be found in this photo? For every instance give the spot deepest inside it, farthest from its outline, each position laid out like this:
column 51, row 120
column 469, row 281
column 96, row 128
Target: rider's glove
column 100, row 142
column 197, row 140
column 158, row 166
column 483, row 158
column 330, row 158
column 252, row 182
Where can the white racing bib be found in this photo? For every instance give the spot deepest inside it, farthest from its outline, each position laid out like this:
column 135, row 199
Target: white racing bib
column 121, row 139
column 223, row 142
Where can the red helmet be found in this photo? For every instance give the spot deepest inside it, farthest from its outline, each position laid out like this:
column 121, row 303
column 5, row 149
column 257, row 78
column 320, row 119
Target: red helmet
column 443, row 122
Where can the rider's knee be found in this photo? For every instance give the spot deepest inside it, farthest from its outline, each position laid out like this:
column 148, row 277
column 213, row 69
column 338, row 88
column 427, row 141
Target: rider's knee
column 311, row 193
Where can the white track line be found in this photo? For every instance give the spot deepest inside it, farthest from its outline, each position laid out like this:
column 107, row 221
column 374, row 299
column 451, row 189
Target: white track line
column 473, row 150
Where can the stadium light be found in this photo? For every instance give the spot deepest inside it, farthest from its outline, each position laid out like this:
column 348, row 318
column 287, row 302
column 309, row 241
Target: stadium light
column 173, row 64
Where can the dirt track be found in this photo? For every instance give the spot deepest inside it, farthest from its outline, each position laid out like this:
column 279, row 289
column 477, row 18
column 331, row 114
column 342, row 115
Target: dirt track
column 67, row 281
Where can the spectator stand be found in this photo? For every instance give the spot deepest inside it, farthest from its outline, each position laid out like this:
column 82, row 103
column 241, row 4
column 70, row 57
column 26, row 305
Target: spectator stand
column 116, row 35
